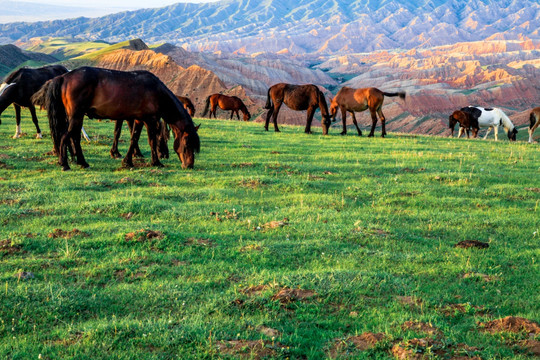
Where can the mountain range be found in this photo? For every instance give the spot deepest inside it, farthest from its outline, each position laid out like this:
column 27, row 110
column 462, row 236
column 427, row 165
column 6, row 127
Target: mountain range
column 300, row 27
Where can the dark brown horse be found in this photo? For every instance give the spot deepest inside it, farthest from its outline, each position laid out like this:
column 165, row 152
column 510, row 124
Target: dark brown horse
column 188, row 105
column 299, row 98
column 117, row 95
column 18, row 88
column 351, row 100
column 465, row 120
column 233, row 103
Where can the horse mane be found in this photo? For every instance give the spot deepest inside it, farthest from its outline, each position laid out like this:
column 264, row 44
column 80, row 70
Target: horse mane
column 507, row 123
column 322, row 101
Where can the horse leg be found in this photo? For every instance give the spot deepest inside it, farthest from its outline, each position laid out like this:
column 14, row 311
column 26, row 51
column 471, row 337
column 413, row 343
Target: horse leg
column 277, row 106
column 268, row 116
column 487, row 132
column 135, row 135
column 136, row 150
column 35, row 121
column 310, row 113
column 496, row 132
column 531, row 131
column 232, row 114
column 18, row 120
column 237, row 115
column 344, row 120
column 383, row 121
column 75, row 134
column 373, row 122
column 356, row 124
column 115, row 154
column 467, row 130
column 151, row 129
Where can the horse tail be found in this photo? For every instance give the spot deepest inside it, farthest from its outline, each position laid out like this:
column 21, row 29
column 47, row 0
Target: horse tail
column 56, row 110
column 206, row 107
column 401, row 94
column 268, row 101
column 532, row 120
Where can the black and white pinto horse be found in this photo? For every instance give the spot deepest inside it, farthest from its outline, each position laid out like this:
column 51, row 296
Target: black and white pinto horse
column 491, row 118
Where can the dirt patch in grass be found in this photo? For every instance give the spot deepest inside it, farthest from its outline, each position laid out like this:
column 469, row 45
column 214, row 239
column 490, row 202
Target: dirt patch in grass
column 533, row 346
column 200, row 241
column 254, row 290
column 251, row 247
column 72, row 339
column 3, row 165
column 127, row 180
column 423, row 348
column 8, row 248
column 511, row 324
column 408, row 170
column 273, row 224
column 533, row 189
column 249, row 349
column 229, row 215
column 127, row 216
column 419, row 326
column 144, row 235
column 370, row 231
column 486, row 278
column 315, row 177
column 268, row 331
column 453, row 309
column 243, row 165
column 286, row 295
column 409, row 300
column 363, row 342
column 251, row 183
column 59, row 233
column 467, row 244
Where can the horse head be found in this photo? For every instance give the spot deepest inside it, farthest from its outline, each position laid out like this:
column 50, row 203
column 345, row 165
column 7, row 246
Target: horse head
column 326, row 121
column 186, row 144
column 512, row 134
column 333, row 109
column 247, row 115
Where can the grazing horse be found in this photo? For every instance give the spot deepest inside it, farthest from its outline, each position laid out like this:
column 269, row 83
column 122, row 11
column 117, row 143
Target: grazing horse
column 117, row 95
column 465, row 120
column 299, row 98
column 491, row 118
column 534, row 119
column 233, row 103
column 188, row 105
column 18, row 88
column 351, row 100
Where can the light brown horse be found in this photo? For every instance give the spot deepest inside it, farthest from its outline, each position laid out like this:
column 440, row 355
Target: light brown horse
column 299, row 98
column 351, row 100
column 233, row 103
column 188, row 105
column 534, row 119
column 466, row 121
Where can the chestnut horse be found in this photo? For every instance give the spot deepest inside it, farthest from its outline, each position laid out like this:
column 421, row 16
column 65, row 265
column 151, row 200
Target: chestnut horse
column 534, row 120
column 233, row 103
column 116, row 95
column 18, row 88
column 351, row 100
column 188, row 105
column 466, row 121
column 299, row 98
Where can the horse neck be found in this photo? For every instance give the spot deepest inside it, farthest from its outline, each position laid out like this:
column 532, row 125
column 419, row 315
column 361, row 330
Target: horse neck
column 507, row 123
column 322, row 104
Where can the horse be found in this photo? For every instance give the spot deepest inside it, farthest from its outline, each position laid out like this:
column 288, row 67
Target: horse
column 299, row 98
column 534, row 120
column 117, row 95
column 351, row 100
column 491, row 118
column 465, row 120
column 233, row 103
column 188, row 105
column 18, row 88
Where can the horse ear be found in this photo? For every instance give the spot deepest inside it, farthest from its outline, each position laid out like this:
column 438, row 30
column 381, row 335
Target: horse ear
column 197, row 127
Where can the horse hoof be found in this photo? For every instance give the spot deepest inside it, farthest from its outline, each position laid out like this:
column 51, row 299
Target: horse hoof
column 158, row 164
column 138, row 155
column 84, row 166
column 66, row 168
column 343, row 133
column 16, row 136
column 127, row 164
column 265, row 128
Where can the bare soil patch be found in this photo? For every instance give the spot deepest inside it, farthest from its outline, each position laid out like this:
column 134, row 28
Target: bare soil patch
column 251, row 183
column 144, row 235
column 452, row 309
column 254, row 290
column 467, row 244
column 533, row 189
column 273, row 224
column 365, row 341
column 268, row 331
column 242, row 165
column 409, row 300
column 513, row 324
column 249, row 349
column 533, row 346
column 487, row 278
column 59, row 233
column 8, row 248
column 200, row 241
column 287, row 295
column 251, row 247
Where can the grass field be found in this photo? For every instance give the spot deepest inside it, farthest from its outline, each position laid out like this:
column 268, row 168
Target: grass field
column 275, row 245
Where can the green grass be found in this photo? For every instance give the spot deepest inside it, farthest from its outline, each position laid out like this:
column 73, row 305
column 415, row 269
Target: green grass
column 368, row 220
column 66, row 48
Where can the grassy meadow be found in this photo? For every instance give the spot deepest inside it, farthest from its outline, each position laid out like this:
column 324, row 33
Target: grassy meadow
column 277, row 245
